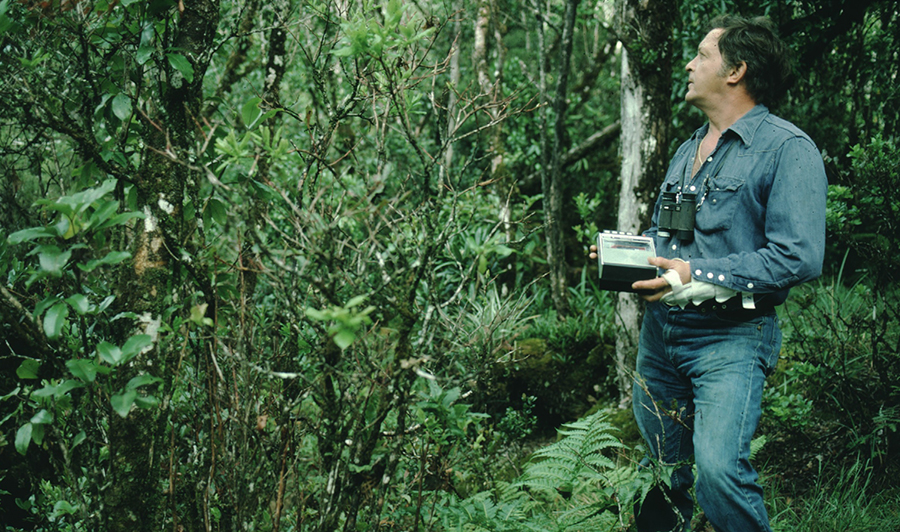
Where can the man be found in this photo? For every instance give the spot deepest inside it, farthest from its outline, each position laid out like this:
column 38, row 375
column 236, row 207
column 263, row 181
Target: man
column 710, row 334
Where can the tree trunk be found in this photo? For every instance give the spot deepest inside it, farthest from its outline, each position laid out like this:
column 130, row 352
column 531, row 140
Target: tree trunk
column 645, row 29
column 133, row 500
column 552, row 177
column 490, row 84
column 451, row 95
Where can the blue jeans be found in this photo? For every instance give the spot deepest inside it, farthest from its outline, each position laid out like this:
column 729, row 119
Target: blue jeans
column 697, row 393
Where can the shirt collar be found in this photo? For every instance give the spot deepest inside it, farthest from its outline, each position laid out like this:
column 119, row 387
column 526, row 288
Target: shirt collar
column 745, row 127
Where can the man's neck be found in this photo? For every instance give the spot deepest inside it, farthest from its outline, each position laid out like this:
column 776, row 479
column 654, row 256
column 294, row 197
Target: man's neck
column 724, row 116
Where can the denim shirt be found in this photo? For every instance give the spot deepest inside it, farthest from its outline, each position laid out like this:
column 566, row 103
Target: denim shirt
column 760, row 222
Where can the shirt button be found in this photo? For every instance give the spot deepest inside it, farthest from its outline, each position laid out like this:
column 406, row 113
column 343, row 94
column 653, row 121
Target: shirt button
column 709, row 159
column 709, row 275
column 693, row 188
column 721, row 277
column 749, row 285
column 674, row 247
column 697, row 272
column 714, row 201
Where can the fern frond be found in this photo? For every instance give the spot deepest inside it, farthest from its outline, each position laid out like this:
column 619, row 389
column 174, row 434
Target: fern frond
column 480, row 513
column 756, row 444
column 576, row 459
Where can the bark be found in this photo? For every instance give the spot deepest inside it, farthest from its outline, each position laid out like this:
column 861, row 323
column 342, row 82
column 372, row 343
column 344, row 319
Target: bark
column 479, row 52
column 451, row 95
column 490, row 85
column 552, row 179
column 490, row 82
column 645, row 29
column 133, row 500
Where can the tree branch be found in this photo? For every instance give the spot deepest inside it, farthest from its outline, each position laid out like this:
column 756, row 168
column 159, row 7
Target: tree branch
column 579, row 152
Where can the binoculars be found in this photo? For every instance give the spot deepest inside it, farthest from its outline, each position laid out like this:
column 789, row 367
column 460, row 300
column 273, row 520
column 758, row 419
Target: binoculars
column 676, row 216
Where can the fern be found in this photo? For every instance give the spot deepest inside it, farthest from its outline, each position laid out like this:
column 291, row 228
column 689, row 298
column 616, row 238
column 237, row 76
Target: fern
column 576, row 459
column 573, row 481
column 480, row 513
column 570, row 485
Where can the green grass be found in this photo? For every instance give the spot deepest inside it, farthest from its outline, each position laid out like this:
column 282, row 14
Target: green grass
column 845, row 501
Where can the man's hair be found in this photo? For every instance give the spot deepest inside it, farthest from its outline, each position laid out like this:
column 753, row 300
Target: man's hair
column 754, row 41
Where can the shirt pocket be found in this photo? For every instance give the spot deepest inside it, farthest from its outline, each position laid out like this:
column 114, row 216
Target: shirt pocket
column 722, row 200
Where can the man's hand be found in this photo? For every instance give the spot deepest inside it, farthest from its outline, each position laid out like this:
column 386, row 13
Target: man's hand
column 655, row 289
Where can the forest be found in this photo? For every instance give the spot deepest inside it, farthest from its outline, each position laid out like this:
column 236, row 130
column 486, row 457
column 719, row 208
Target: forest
column 321, row 265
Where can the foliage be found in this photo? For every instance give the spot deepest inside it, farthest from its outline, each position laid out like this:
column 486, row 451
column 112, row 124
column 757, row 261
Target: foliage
column 280, row 266
column 843, row 501
column 843, row 369
column 870, row 216
column 575, row 483
column 834, row 396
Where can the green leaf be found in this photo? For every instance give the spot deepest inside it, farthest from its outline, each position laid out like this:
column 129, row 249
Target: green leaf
column 79, row 303
column 109, row 353
column 29, row 234
column 79, row 202
column 76, row 441
column 251, row 111
column 71, row 384
column 120, row 219
column 62, row 508
column 316, row 314
column 356, row 301
column 23, row 438
column 56, row 390
column 218, row 210
column 28, row 369
column 344, row 51
column 146, row 401
column 13, row 393
column 113, row 257
column 42, row 418
column 6, row 23
column 141, row 380
column 37, row 433
column 55, row 319
column 82, row 368
column 198, row 313
column 144, row 53
column 65, row 228
column 122, row 403
column 264, row 192
column 344, row 338
column 107, row 301
column 121, row 106
column 181, row 64
column 135, row 344
column 46, row 303
column 53, row 260
column 103, row 213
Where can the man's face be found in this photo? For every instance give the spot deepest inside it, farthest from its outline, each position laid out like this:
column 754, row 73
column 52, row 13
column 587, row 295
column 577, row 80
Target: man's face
column 705, row 73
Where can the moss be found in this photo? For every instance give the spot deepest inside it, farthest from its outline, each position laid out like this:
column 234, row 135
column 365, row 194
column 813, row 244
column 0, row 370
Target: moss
column 565, row 385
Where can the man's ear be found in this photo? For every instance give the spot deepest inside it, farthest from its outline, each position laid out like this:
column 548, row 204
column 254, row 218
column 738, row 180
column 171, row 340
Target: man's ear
column 736, row 73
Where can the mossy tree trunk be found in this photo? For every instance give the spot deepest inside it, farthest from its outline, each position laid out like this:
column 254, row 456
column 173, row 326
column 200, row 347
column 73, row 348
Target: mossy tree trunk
column 166, row 181
column 645, row 29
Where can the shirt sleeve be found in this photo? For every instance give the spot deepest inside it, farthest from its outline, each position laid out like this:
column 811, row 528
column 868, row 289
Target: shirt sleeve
column 793, row 247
